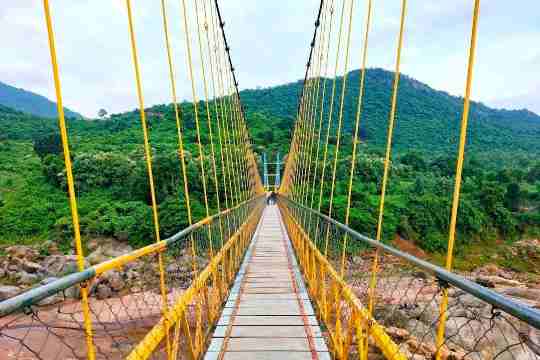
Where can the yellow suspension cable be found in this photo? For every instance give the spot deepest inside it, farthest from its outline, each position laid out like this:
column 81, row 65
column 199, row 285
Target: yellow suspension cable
column 357, row 126
column 331, row 108
column 206, row 97
column 387, row 156
column 227, row 185
column 323, row 96
column 181, row 152
column 195, row 107
column 70, row 182
column 148, row 157
column 314, row 108
column 340, row 118
column 209, row 30
column 459, row 172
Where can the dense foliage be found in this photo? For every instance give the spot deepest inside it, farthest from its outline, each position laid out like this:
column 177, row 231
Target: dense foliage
column 29, row 102
column 501, row 187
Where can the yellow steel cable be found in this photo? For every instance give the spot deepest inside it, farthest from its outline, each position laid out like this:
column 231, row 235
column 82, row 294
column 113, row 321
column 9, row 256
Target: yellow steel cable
column 243, row 140
column 340, row 118
column 387, row 156
column 71, row 186
column 313, row 114
column 357, row 126
column 323, row 96
column 233, row 137
column 176, row 113
column 229, row 144
column 239, row 143
column 210, row 132
column 299, row 170
column 223, row 98
column 211, row 45
column 459, row 171
column 195, row 107
column 307, row 120
column 148, row 157
column 331, row 108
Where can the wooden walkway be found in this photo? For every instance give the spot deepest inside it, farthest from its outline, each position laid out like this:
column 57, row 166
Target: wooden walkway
column 268, row 314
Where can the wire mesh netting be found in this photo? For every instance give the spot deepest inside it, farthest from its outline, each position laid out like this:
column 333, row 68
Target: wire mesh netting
column 406, row 299
column 126, row 302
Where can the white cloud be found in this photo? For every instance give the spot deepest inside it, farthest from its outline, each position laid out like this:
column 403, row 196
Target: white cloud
column 269, row 46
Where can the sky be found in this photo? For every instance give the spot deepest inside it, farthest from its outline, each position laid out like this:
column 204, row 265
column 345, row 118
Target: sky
column 269, row 46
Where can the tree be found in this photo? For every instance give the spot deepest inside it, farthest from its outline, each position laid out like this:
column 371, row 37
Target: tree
column 102, row 113
column 47, row 144
column 512, row 197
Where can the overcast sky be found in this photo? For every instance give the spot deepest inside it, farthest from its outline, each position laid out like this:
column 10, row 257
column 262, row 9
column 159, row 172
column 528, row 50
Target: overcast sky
column 269, row 44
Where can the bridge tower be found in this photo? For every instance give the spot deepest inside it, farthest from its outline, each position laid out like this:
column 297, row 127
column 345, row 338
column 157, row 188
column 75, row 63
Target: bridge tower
column 276, row 174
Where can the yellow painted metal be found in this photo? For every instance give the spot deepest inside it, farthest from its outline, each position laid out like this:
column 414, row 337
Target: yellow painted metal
column 148, row 158
column 208, row 116
column 312, row 174
column 459, row 171
column 176, row 112
column 71, row 186
column 342, row 102
column 120, row 261
column 321, row 111
column 331, row 108
column 373, row 279
column 357, row 126
column 323, row 272
column 228, row 256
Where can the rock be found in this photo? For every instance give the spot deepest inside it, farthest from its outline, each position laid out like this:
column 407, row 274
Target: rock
column 103, row 292
column 32, row 267
column 48, row 280
column 59, row 265
column 22, row 252
column 397, row 333
column 97, row 257
column 494, row 281
column 121, row 236
column 423, row 349
column 73, row 292
column 49, row 248
column 357, row 260
column 2, row 273
column 525, row 293
column 92, row 244
column 27, row 279
column 114, row 279
column 8, row 291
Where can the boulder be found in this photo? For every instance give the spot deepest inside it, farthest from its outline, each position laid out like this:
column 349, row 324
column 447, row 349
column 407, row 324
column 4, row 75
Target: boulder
column 522, row 292
column 32, row 267
column 103, row 291
column 8, row 291
column 97, row 257
column 114, row 280
column 21, row 252
column 25, row 278
column 49, row 248
column 496, row 281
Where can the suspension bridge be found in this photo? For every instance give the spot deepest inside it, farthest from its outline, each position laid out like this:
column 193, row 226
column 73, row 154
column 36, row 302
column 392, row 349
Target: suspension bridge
column 269, row 275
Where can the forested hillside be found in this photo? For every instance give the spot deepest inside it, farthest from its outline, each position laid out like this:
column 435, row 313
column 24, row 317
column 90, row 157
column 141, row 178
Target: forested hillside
column 501, row 191
column 427, row 120
column 29, row 102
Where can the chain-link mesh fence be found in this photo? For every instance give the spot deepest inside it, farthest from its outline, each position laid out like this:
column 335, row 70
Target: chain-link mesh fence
column 363, row 289
column 126, row 297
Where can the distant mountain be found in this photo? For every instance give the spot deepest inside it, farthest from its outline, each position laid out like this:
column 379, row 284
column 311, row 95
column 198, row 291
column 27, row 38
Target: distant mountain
column 29, row 102
column 427, row 119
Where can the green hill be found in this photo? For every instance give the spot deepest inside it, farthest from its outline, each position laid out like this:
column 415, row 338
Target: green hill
column 427, row 120
column 501, row 181
column 29, row 102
